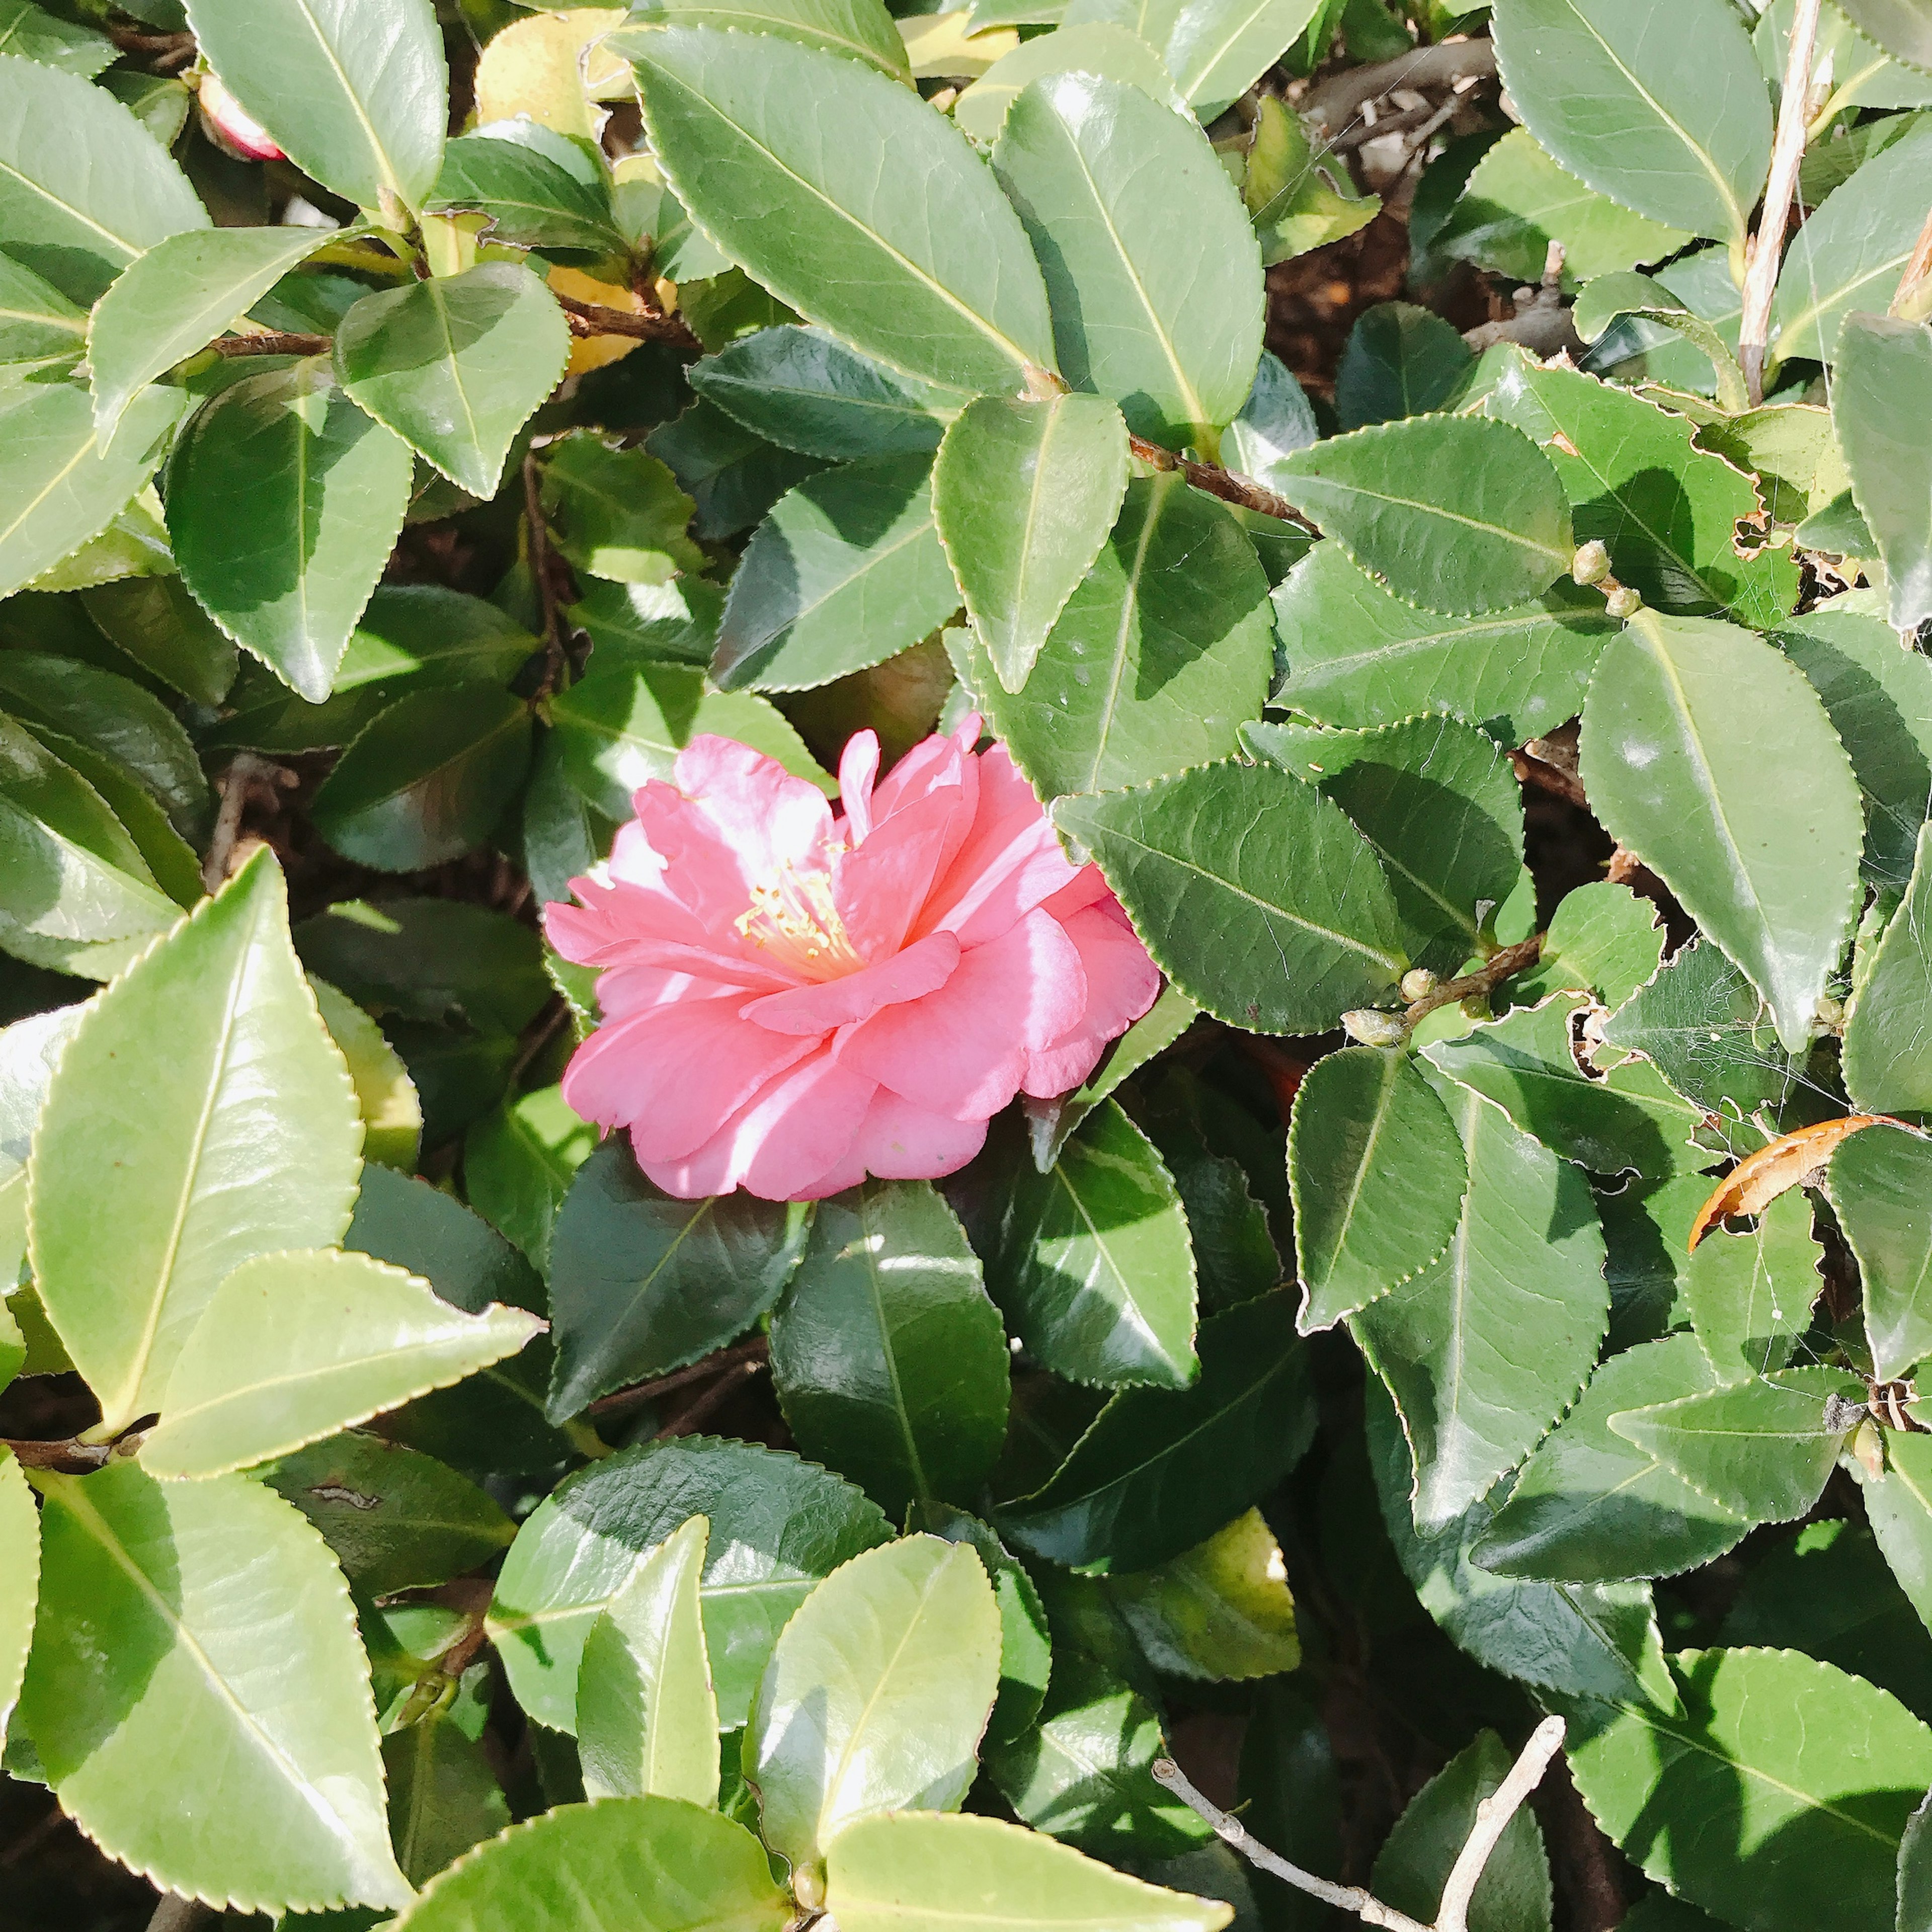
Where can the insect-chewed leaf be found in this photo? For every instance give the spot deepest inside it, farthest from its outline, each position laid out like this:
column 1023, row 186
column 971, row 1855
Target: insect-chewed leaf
column 1760, row 1178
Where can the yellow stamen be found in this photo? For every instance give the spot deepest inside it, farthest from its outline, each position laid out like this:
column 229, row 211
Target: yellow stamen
column 793, row 915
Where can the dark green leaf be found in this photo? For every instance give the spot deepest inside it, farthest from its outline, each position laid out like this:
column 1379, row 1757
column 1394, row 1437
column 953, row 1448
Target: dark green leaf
column 445, row 1798
column 518, row 1165
column 1878, row 1181
column 34, row 35
column 616, row 513
column 535, row 198
column 1885, row 382
column 1887, row 1053
column 733, row 474
column 1219, row 1611
column 1749, row 1295
column 1899, row 1505
column 1398, row 361
column 39, row 327
column 160, row 626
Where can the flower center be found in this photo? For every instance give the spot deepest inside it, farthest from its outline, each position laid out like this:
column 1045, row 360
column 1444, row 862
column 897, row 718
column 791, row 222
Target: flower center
column 793, row 916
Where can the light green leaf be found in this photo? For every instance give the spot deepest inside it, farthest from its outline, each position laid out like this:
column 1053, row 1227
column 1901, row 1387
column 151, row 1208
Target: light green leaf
column 1603, row 939
column 1884, row 381
column 1220, row 1610
column 538, row 190
column 1167, row 258
column 200, row 1174
column 84, row 187
column 1609, row 296
column 39, row 327
column 456, row 367
column 30, row 1049
column 284, row 500
column 886, row 1873
column 1899, row 1505
column 1255, row 894
column 1601, row 85
column 356, row 91
column 517, row 1164
column 794, row 158
column 1749, row 1295
column 1378, row 1173
column 1025, row 495
column 889, row 1361
column 616, row 513
column 647, row 1718
column 1887, row 1053
column 391, row 1109
column 1217, row 49
column 1049, row 1122
column 20, row 1547
column 159, row 1602
column 860, row 30
column 1878, row 1191
column 1705, row 752
column 874, row 1700
column 1092, row 47
column 1299, row 199
column 1899, row 26
column 34, row 34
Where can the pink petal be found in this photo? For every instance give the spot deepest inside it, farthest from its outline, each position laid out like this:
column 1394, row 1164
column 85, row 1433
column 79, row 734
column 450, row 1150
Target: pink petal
column 879, row 889
column 858, row 767
column 920, row 969
column 1010, row 862
column 934, row 764
column 962, row 1050
column 1122, row 982
column 901, row 1141
column 769, row 818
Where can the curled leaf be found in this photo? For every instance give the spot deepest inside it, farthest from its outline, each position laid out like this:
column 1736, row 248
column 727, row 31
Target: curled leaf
column 1758, row 1180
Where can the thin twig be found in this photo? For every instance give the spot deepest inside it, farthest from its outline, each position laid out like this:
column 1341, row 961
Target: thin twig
column 538, row 1037
column 1552, row 778
column 1499, row 966
column 179, row 1915
column 242, row 770
column 634, row 1398
column 1787, row 150
column 540, row 570
column 1228, row 484
column 1400, row 122
column 687, row 1420
column 1917, row 270
column 1493, row 1814
column 593, row 319
column 71, row 1457
column 1336, row 101
column 1541, row 323
column 273, row 342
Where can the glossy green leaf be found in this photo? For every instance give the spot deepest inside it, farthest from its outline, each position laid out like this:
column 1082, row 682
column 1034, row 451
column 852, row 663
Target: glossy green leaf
column 1398, row 361
column 537, row 194
column 456, row 367
column 33, row 33
column 1377, row 1173
column 294, row 1346
column 1160, row 655
column 284, row 500
column 391, row 1108
column 30, row 1049
column 659, row 1864
column 1091, row 1260
column 1174, row 271
column 847, row 569
column 1600, row 84
column 1299, row 197
column 1050, row 1123
column 1220, row 1610
column 201, row 1174
column 355, row 90
column 1887, row 1053
column 1878, row 1192
column 396, row 1519
column 1749, row 1295
column 1097, row 46
column 616, row 513
column 777, row 1526
column 1899, row 26
column 1884, row 378
column 1161, row 1469
column 1608, row 297
column 517, row 1164
column 860, row 30
column 84, row 187
column 1025, row 494
column 1217, row 49
column 20, row 1543
column 1257, row 895
column 39, row 327
column 179, row 1586
column 159, row 625
column 875, row 1699
column 647, row 1718
column 427, row 780
column 1486, row 1347
column 889, row 1361
column 1899, row 1506
column 1705, row 752
column 641, row 1283
column 886, row 1874
column 733, row 474
column 1603, row 939
column 1806, row 1776
column 795, row 159
column 444, row 1796
column 1456, row 514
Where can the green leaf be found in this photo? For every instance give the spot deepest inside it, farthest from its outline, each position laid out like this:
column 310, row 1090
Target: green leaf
column 1050, row 1123
column 1217, row 49
column 1398, row 361
column 847, row 570
column 889, row 1361
column 1456, row 514
column 860, row 30
column 1603, row 939
column 1608, row 297
column 646, row 1719
column 1879, row 1193
column 158, row 1602
column 625, row 723
column 1358, row 656
column 356, row 91
column 1667, row 510
column 1896, row 26
column 1806, row 1776
column 616, row 513
column 1299, row 199
column 294, row 1347
column 1377, row 1173
column 1167, row 257
column 1091, row 1260
column 668, row 1866
column 396, row 1519
column 1850, row 253
column 777, row 1526
column 805, row 390
column 1705, row 752
column 885, row 1874
column 1258, row 897
column 39, row 327
column 1413, row 1866
column 1485, row 1348
column 1219, row 1610
column 427, row 780
column 445, row 1798
column 1161, row 1469
column 386, row 1097
column 1095, row 46
column 732, row 474
column 1887, row 1053
column 84, row 187
column 1598, row 83
column 65, row 483
column 34, row 35
column 284, row 500
column 1884, row 378
column 1749, row 1295
column 518, row 1165
column 456, row 367
column 538, row 192
column 159, row 625
column 202, row 1176
column 1160, row 655
column 874, row 1700
column 1025, row 494
column 1899, row 1505
column 20, row 1544
column 1276, row 420
column 795, row 159
column 29, row 1050
column 642, row 1283
column 176, row 298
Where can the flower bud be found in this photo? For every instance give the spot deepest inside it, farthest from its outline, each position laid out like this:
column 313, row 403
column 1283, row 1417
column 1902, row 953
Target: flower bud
column 1418, row 983
column 1368, row 1027
column 1591, row 563
column 231, row 127
column 1831, row 1012
column 1623, row 602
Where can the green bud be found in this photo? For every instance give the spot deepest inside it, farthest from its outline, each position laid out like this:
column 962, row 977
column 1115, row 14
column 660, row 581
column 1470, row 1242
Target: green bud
column 1418, row 983
column 1368, row 1027
column 1591, row 563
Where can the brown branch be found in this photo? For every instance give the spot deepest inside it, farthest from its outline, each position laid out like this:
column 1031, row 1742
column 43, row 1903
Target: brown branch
column 244, row 769
column 687, row 1421
column 540, row 572
column 1400, row 122
column 1552, row 778
column 1499, row 966
column 1542, row 322
column 1336, row 102
column 1228, row 484
column 1787, row 150
column 753, row 1350
column 273, row 342
column 72, row 1457
column 179, row 1915
column 132, row 41
column 593, row 319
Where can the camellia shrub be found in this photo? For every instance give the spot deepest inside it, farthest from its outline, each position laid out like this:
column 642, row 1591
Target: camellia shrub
column 971, row 970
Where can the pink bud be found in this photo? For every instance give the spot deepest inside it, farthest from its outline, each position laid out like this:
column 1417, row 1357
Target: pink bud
column 230, row 127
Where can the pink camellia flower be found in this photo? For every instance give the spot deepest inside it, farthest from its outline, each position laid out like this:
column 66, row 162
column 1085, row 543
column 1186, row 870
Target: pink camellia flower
column 231, row 126
column 793, row 1001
